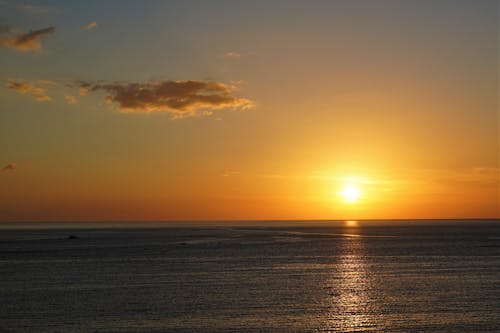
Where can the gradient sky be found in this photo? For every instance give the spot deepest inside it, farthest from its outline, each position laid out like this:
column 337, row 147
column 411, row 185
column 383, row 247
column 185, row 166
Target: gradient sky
column 186, row 110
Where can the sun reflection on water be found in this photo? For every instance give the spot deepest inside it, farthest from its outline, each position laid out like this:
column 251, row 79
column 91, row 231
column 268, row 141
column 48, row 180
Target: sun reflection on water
column 351, row 223
column 352, row 308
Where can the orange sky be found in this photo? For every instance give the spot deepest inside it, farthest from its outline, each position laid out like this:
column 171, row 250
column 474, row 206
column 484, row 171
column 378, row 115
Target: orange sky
column 249, row 110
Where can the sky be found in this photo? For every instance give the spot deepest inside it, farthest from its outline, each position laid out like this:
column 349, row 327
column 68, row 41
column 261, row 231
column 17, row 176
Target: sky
column 242, row 110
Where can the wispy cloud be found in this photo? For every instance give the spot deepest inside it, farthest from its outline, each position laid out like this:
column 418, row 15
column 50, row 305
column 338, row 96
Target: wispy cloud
column 273, row 176
column 36, row 92
column 478, row 176
column 9, row 167
column 229, row 173
column 33, row 9
column 47, row 82
column 90, row 25
column 232, row 54
column 179, row 98
column 71, row 99
column 28, row 42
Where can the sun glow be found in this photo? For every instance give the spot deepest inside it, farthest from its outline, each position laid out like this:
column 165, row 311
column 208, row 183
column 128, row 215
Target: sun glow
column 351, row 223
column 350, row 193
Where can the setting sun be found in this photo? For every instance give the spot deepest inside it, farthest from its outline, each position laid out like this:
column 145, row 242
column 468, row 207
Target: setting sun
column 292, row 166
column 370, row 117
column 350, row 193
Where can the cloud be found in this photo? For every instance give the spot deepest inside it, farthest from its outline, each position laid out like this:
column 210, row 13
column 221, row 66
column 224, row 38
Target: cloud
column 479, row 176
column 71, row 99
column 90, row 25
column 22, row 87
column 28, row 42
column 232, row 54
column 47, row 82
column 32, row 9
column 229, row 173
column 179, row 98
column 9, row 167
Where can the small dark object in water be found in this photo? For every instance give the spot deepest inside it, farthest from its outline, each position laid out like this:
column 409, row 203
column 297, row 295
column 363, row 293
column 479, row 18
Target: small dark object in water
column 73, row 237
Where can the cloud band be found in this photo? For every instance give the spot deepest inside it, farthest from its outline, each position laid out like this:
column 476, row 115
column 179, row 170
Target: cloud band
column 180, row 98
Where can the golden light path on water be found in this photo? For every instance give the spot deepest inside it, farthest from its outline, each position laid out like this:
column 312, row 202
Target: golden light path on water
column 352, row 308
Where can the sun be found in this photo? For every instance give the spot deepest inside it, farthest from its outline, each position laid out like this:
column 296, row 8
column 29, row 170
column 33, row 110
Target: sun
column 350, row 193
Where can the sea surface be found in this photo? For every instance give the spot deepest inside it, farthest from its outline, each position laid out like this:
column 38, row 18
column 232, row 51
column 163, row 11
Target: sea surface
column 317, row 276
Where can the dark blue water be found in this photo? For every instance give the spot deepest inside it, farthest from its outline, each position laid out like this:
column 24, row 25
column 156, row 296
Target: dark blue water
column 316, row 277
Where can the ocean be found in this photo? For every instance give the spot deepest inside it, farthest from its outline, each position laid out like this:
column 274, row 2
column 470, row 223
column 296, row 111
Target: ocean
column 296, row 276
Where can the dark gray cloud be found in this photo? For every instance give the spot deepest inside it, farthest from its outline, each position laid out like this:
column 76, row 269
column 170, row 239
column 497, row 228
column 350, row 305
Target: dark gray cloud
column 9, row 167
column 27, row 42
column 180, row 98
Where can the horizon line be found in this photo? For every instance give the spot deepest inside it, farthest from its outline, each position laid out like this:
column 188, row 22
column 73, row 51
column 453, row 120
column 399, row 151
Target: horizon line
column 253, row 220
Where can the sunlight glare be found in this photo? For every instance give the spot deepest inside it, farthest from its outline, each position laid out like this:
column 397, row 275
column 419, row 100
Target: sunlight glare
column 350, row 193
column 351, row 223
